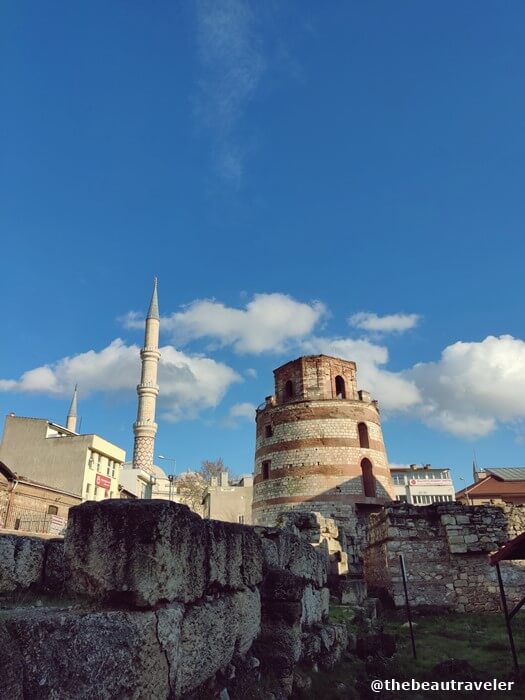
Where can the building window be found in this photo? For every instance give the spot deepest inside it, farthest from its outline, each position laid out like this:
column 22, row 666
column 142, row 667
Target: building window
column 363, row 435
column 266, row 470
column 403, row 499
column 340, row 389
column 241, row 519
column 88, row 488
column 52, row 510
column 288, row 390
column 369, row 488
column 268, row 431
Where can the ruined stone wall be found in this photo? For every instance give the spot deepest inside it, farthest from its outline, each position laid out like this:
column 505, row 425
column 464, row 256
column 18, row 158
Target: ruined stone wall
column 445, row 548
column 149, row 600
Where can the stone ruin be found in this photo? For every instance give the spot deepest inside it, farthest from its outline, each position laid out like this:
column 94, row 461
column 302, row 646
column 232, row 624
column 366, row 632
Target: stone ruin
column 345, row 572
column 144, row 599
column 445, row 548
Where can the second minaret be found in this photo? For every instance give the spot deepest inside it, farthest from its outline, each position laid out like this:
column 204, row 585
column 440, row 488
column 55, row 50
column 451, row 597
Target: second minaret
column 145, row 427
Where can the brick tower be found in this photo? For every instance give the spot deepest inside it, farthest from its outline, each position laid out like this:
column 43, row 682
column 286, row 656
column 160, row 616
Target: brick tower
column 319, row 445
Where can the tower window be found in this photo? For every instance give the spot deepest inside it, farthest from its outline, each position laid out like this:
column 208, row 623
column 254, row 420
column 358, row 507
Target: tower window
column 363, row 435
column 367, row 473
column 340, row 389
column 268, row 431
column 52, row 510
column 288, row 390
column 266, row 470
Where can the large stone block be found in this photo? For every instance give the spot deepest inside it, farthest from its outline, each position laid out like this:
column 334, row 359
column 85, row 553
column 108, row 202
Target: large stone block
column 21, row 562
column 280, row 584
column 55, row 570
column 103, row 655
column 235, row 556
column 307, row 562
column 247, row 606
column 11, row 667
column 140, row 552
column 207, row 641
column 312, row 607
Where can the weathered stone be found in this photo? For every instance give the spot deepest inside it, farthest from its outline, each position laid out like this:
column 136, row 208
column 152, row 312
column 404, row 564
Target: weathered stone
column 288, row 612
column 325, row 603
column 306, row 562
column 248, row 618
column 11, row 667
column 312, row 612
column 352, row 591
column 280, row 584
column 311, row 647
column 169, row 624
column 113, row 654
column 235, row 556
column 207, row 641
column 21, row 562
column 55, row 570
column 141, row 552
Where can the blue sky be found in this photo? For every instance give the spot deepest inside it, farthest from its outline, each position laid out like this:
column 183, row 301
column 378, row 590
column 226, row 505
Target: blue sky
column 301, row 179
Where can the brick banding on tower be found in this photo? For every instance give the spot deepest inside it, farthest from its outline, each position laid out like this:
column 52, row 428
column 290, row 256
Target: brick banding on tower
column 319, row 444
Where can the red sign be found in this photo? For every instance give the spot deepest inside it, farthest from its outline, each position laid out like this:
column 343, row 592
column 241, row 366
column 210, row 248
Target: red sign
column 103, row 481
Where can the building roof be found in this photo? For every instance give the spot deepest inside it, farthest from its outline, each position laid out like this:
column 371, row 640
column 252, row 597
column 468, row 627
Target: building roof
column 418, row 468
column 507, row 473
column 491, row 486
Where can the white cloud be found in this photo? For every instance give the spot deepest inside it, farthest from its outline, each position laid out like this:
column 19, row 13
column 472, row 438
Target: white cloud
column 471, row 389
column 268, row 323
column 391, row 323
column 232, row 66
column 251, row 372
column 474, row 386
column 243, row 410
column 189, row 384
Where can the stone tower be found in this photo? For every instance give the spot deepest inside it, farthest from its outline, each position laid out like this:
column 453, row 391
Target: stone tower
column 145, row 427
column 71, row 420
column 319, row 445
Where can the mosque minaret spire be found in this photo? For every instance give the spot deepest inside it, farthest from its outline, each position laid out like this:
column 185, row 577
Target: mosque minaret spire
column 145, row 427
column 71, row 420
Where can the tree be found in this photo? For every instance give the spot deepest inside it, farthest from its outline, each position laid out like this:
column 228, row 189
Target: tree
column 210, row 468
column 190, row 488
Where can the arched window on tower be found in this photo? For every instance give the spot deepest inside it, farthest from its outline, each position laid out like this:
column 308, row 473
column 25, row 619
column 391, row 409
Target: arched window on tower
column 288, row 390
column 367, row 474
column 363, row 435
column 340, row 389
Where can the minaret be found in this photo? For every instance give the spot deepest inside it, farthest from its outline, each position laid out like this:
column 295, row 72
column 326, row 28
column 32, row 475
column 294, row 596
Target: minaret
column 145, row 427
column 71, row 420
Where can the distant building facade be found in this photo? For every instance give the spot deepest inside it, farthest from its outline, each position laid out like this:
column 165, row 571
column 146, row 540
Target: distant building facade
column 505, row 484
column 319, row 444
column 422, row 485
column 229, row 501
column 86, row 466
column 31, row 507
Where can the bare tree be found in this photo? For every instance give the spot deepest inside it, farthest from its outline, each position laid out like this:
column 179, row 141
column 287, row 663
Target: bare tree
column 211, row 468
column 190, row 488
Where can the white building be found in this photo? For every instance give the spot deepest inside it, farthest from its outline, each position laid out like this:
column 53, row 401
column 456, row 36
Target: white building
column 421, row 485
column 153, row 483
column 86, row 466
